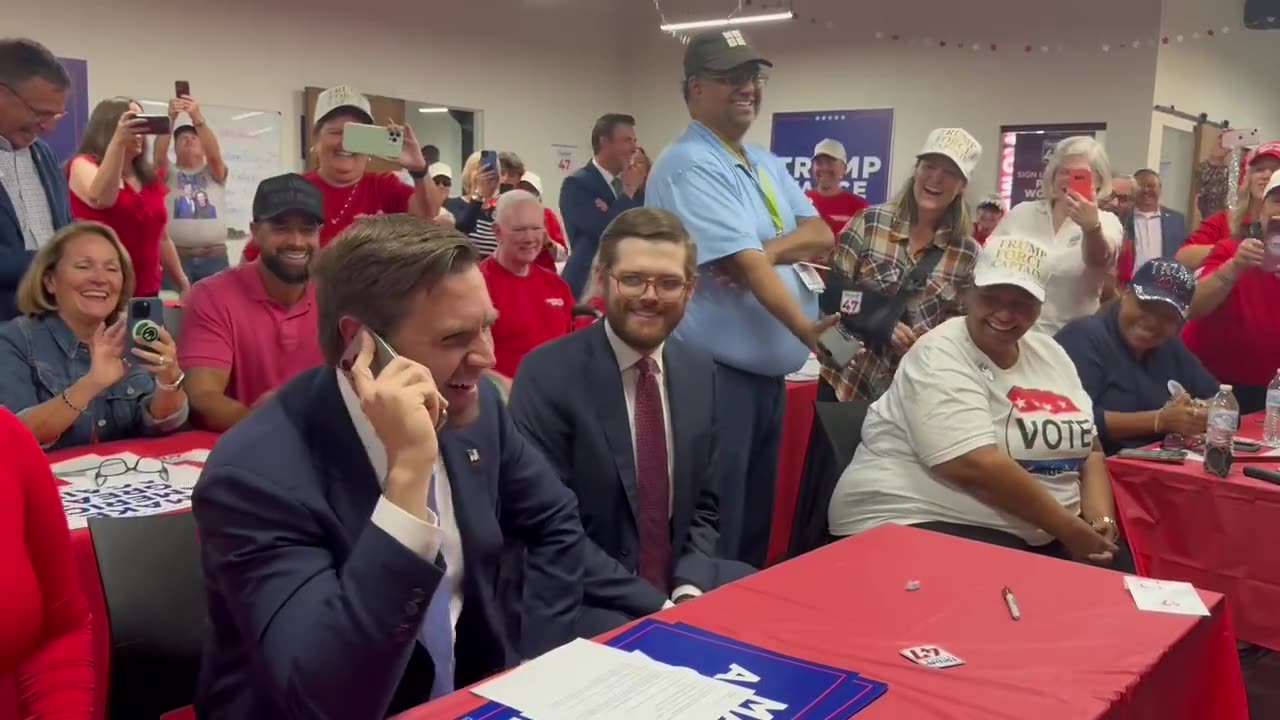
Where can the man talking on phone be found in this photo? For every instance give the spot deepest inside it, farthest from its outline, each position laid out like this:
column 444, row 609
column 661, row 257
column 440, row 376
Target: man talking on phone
column 353, row 528
column 753, row 312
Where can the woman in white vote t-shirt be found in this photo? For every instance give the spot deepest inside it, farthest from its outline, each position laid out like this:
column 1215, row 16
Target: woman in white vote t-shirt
column 986, row 432
column 1082, row 240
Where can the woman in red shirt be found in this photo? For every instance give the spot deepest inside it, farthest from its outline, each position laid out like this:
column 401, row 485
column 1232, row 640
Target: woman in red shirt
column 113, row 183
column 349, row 190
column 1234, row 328
column 46, row 646
column 1256, row 172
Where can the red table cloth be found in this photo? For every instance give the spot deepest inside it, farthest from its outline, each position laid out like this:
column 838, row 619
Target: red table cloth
column 795, row 445
column 87, row 561
column 1184, row 523
column 1081, row 650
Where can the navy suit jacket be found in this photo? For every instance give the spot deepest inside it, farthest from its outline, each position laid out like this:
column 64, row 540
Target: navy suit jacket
column 568, row 399
column 1173, row 231
column 314, row 609
column 584, row 222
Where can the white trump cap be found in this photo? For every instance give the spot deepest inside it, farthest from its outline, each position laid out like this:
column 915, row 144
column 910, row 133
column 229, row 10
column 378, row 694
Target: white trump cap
column 832, row 149
column 1012, row 260
column 956, row 144
column 339, row 97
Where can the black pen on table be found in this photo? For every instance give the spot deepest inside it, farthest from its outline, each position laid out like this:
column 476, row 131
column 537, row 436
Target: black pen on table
column 1012, row 602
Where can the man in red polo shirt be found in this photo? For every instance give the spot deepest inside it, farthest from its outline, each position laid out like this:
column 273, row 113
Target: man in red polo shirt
column 1234, row 327
column 836, row 205
column 534, row 305
column 248, row 330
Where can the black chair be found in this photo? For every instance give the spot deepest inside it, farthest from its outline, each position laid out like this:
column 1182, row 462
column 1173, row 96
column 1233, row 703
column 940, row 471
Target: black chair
column 154, row 591
column 837, row 430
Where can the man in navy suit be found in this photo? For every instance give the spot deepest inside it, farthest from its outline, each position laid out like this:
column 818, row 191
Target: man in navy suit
column 352, row 527
column 1155, row 230
column 626, row 415
column 592, row 197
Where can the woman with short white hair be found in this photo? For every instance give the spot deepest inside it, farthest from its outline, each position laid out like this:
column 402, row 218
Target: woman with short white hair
column 1082, row 240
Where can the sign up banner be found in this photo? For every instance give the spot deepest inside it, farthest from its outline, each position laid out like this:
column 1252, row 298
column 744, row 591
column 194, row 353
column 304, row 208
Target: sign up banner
column 867, row 136
column 1022, row 161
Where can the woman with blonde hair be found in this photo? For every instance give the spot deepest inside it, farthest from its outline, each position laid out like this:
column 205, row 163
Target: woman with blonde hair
column 474, row 217
column 1238, row 223
column 920, row 246
column 1083, row 240
column 113, row 182
column 63, row 367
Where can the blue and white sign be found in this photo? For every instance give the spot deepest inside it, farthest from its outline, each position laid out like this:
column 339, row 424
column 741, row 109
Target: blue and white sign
column 867, row 136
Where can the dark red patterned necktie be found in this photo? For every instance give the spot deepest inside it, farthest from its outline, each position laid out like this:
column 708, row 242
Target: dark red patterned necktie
column 652, row 478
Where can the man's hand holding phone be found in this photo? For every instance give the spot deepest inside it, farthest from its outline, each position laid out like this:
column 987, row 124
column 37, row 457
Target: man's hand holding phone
column 404, row 406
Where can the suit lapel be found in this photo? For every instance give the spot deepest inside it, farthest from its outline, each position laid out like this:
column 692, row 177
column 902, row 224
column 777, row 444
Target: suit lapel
column 602, row 187
column 680, row 390
column 606, row 388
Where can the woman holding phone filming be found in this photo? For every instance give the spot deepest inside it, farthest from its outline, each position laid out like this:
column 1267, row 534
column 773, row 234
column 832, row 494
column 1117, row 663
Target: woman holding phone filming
column 1083, row 240
column 1234, row 328
column 64, row 368
column 113, row 182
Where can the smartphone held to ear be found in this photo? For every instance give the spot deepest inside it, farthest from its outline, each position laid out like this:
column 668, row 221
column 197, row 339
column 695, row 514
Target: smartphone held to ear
column 383, row 354
column 372, row 140
column 1081, row 183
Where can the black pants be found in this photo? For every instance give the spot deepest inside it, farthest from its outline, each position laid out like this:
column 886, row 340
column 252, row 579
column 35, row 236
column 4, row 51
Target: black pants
column 749, row 413
column 1122, row 562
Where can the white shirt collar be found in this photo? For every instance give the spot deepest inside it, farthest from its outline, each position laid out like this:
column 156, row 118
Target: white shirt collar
column 364, row 429
column 6, row 145
column 608, row 176
column 628, row 356
column 1145, row 214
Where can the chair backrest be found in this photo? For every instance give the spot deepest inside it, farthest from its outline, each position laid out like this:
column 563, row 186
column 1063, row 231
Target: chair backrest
column 154, row 591
column 837, row 430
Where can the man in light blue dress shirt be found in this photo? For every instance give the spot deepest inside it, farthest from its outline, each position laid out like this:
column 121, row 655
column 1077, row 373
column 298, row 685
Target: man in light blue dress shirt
column 752, row 312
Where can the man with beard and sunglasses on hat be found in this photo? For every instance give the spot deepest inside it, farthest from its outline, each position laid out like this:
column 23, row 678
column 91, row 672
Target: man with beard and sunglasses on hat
column 626, row 415
column 754, row 313
column 249, row 329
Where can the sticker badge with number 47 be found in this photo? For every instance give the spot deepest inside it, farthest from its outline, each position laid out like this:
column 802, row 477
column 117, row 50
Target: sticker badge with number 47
column 850, row 302
column 931, row 656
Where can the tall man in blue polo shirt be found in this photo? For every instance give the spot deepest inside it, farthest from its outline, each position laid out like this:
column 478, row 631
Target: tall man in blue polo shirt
column 752, row 312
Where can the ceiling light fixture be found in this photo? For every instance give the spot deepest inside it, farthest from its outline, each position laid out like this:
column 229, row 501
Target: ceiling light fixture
column 433, row 109
column 727, row 22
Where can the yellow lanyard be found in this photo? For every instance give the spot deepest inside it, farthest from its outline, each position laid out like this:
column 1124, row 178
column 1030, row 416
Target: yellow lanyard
column 762, row 183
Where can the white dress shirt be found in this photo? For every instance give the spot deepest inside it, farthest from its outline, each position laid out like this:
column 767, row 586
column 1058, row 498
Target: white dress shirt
column 1148, row 237
column 21, row 181
column 608, row 176
column 438, row 535
column 628, row 359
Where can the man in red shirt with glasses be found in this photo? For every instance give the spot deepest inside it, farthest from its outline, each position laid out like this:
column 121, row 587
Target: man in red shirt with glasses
column 534, row 304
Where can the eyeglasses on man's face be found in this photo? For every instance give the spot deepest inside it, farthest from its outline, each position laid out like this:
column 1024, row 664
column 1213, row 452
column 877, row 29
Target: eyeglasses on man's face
column 41, row 116
column 634, row 285
column 738, row 77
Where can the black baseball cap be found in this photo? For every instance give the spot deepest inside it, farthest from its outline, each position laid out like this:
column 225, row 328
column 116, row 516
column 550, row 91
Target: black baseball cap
column 284, row 193
column 719, row 51
column 183, row 129
column 1166, row 281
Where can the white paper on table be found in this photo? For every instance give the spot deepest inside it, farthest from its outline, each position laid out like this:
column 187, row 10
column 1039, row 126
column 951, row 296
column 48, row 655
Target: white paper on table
column 84, row 464
column 130, row 495
column 1165, row 596
column 587, row 681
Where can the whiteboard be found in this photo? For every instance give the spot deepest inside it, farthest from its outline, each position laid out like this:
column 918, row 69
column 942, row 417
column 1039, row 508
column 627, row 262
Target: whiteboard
column 250, row 141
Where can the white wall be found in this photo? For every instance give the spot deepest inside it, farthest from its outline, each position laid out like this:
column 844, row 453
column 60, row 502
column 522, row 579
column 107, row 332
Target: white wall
column 534, row 85
column 846, row 68
column 1229, row 77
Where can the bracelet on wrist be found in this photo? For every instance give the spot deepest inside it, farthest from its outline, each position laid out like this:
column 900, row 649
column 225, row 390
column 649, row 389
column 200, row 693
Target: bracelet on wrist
column 79, row 410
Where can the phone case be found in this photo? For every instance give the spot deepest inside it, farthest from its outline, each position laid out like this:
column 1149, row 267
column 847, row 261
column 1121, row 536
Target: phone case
column 489, row 160
column 1082, row 183
column 372, row 140
column 143, row 319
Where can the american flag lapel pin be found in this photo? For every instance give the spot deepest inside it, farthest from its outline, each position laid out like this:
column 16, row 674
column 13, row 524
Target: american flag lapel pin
column 473, row 455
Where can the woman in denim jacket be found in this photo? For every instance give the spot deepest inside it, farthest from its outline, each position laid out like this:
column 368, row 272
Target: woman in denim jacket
column 62, row 364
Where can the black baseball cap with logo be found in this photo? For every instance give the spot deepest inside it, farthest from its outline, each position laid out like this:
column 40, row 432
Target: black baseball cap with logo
column 719, row 51
column 287, row 193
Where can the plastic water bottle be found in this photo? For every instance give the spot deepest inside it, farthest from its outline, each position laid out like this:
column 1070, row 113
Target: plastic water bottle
column 1223, row 421
column 1271, row 426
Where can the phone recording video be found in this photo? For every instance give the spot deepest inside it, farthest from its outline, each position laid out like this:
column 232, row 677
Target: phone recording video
column 181, row 88
column 154, row 124
column 1081, row 183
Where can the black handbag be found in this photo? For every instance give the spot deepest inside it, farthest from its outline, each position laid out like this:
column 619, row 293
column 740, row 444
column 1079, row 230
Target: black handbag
column 879, row 313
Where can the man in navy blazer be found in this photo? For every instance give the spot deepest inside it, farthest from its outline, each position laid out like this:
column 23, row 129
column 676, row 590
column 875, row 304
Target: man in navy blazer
column 582, row 400
column 593, row 196
column 1149, row 215
column 353, row 526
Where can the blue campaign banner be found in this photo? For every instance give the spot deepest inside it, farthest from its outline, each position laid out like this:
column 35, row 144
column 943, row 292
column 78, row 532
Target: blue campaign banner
column 785, row 688
column 867, row 136
column 65, row 138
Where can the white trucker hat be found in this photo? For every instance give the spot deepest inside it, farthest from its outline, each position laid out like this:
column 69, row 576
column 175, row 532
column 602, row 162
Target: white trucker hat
column 954, row 143
column 440, row 169
column 1012, row 260
column 832, row 149
column 342, row 96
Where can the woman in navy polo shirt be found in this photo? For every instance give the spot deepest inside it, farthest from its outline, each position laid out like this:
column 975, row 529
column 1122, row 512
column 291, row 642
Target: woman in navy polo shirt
column 1127, row 354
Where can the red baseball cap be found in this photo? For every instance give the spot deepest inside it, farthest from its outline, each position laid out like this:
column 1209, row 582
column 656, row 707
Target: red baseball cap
column 1271, row 149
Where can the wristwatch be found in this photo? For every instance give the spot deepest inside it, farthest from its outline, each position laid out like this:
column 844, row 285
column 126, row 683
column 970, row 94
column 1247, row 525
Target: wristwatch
column 1106, row 520
column 417, row 174
column 174, row 386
